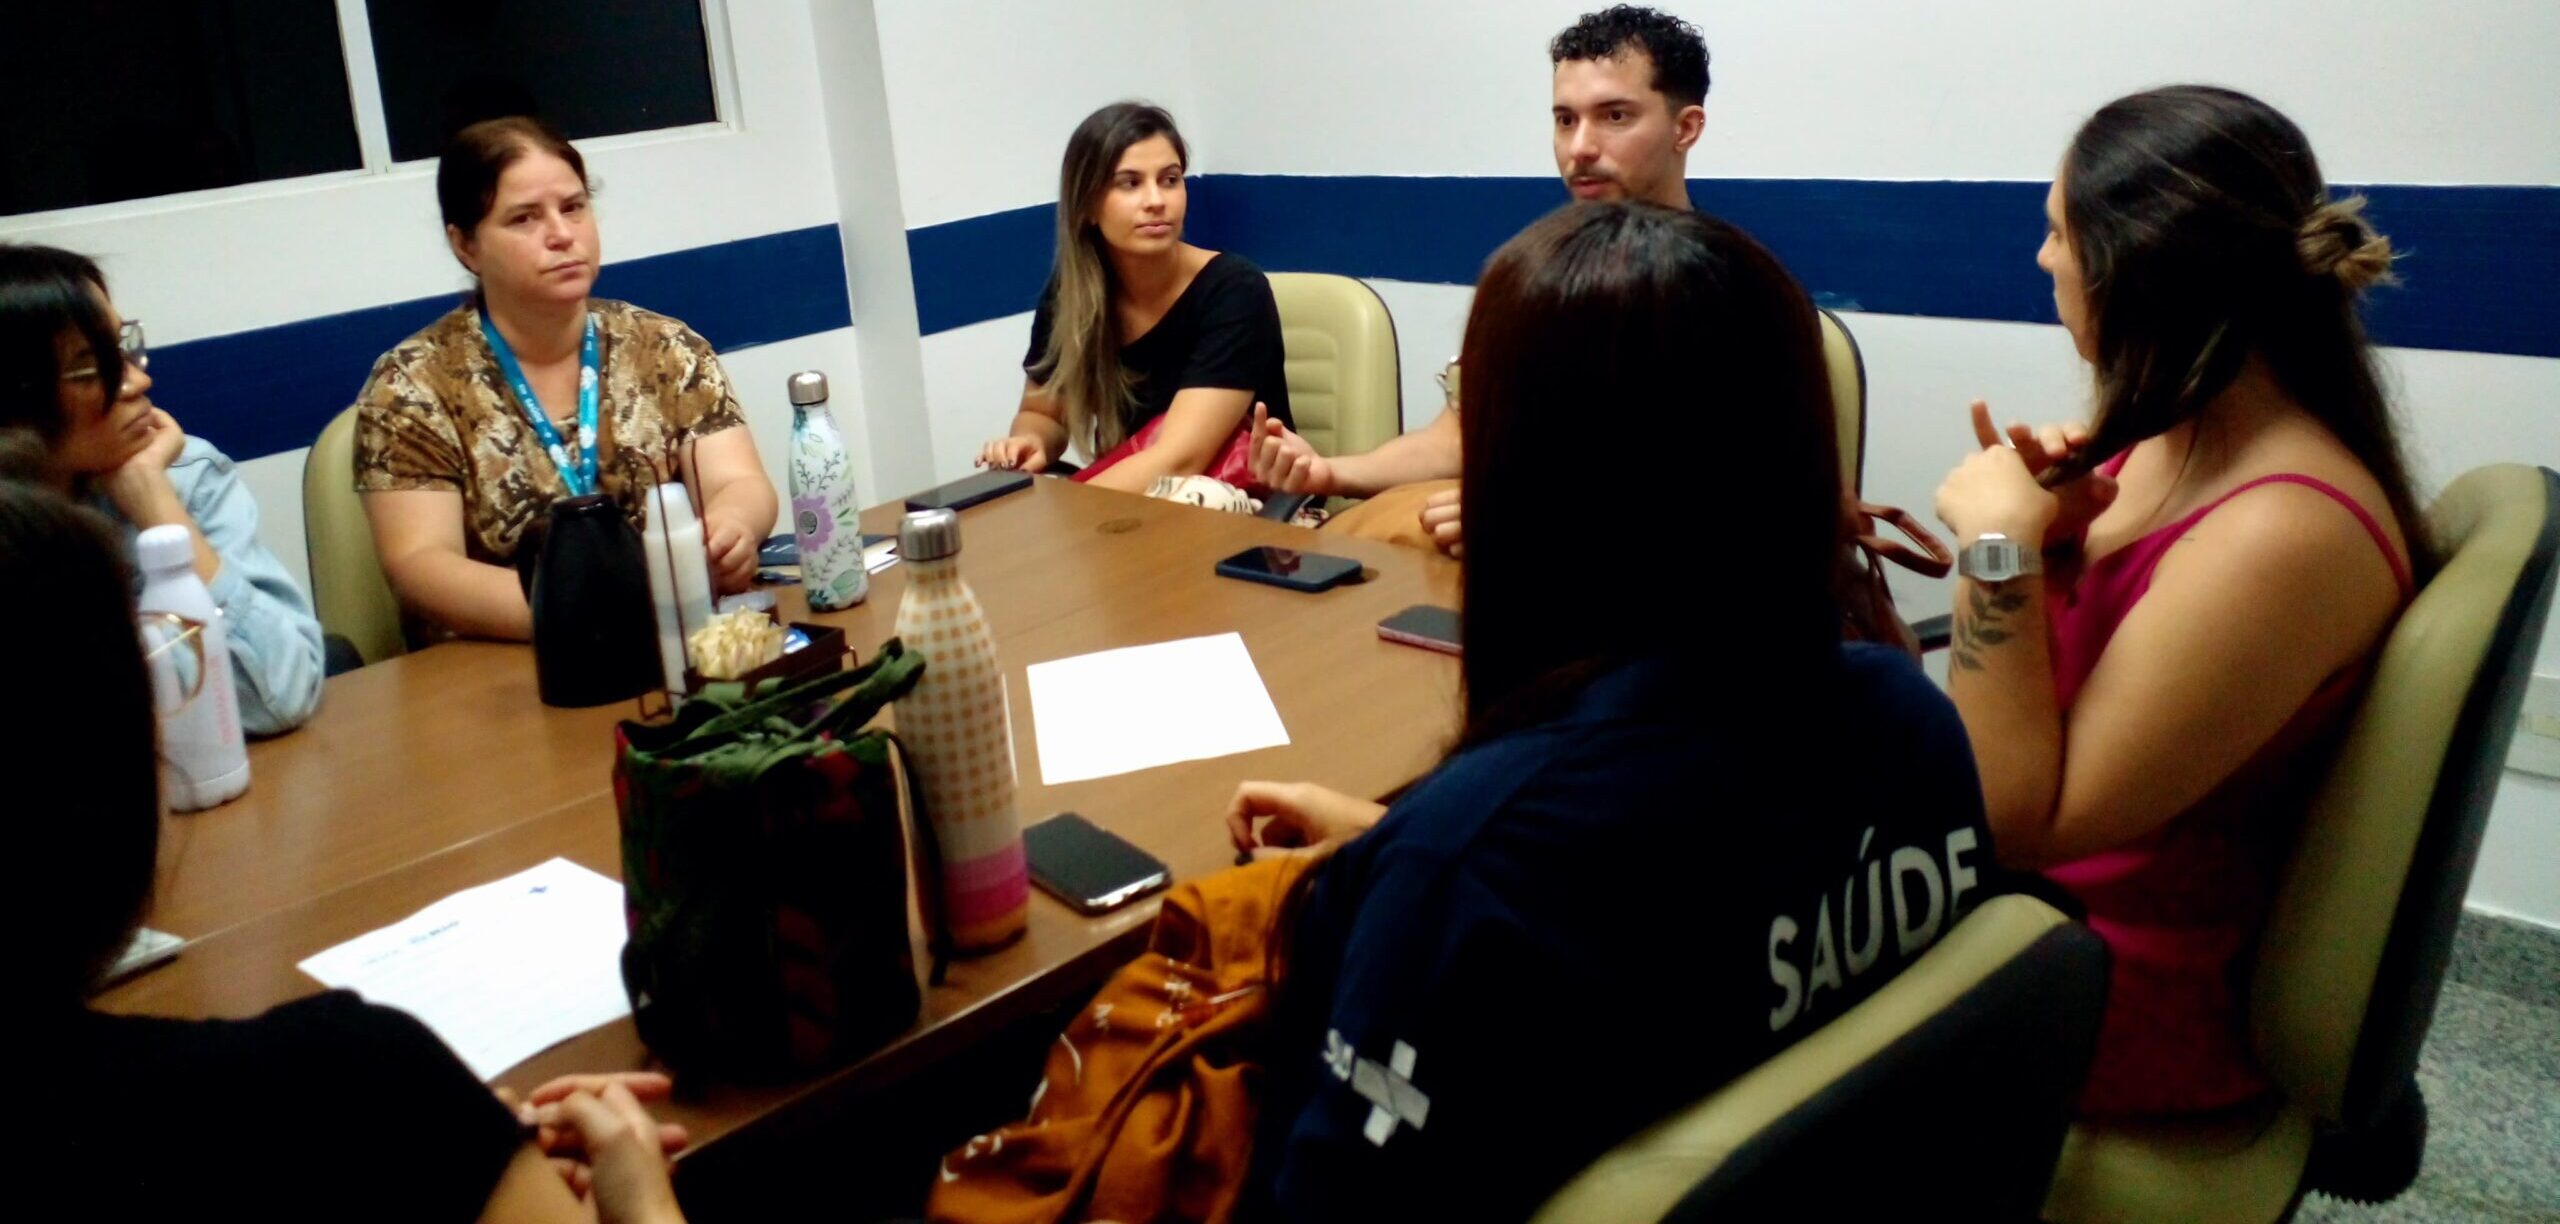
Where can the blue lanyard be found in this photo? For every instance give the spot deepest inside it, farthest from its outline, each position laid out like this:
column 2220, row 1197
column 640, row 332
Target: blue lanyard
column 581, row 478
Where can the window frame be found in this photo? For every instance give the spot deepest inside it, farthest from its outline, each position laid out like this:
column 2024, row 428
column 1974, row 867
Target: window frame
column 373, row 130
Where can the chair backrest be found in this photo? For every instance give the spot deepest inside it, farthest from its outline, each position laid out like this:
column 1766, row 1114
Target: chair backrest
column 1952, row 1083
column 1848, row 397
column 2355, row 948
column 1341, row 350
column 348, row 590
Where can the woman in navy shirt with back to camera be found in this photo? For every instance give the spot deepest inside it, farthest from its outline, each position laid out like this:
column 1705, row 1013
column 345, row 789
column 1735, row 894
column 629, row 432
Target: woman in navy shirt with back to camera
column 1684, row 825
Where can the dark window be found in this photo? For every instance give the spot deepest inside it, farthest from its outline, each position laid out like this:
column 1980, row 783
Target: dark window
column 117, row 99
column 593, row 68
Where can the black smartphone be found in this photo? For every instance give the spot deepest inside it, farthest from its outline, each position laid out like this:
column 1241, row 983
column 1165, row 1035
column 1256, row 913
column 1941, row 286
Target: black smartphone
column 1423, row 625
column 784, row 549
column 1287, row 567
column 1087, row 866
column 969, row 491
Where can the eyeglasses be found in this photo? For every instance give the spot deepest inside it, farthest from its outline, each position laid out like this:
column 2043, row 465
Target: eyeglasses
column 173, row 688
column 1448, row 377
column 129, row 341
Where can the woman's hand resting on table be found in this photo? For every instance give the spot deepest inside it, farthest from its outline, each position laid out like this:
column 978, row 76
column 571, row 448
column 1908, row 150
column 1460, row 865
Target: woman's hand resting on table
column 1296, row 818
column 610, row 1150
column 594, row 1146
column 732, row 553
column 1019, row 453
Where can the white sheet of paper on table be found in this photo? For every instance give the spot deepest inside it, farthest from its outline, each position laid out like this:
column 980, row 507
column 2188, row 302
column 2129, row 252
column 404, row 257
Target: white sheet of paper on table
column 1119, row 711
column 501, row 972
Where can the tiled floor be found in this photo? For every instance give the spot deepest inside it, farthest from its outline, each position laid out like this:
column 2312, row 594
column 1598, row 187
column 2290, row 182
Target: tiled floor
column 2491, row 1074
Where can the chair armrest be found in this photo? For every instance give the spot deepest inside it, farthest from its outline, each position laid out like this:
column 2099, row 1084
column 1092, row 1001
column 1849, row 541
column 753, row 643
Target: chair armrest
column 338, row 655
column 1282, row 507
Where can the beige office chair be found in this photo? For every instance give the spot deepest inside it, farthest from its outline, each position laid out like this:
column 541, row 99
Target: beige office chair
column 1340, row 346
column 347, row 587
column 1848, row 397
column 2347, row 975
column 1948, row 1089
column 1341, row 350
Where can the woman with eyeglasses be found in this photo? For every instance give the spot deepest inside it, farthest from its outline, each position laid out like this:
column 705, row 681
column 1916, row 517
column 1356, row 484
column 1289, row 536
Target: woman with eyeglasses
column 73, row 372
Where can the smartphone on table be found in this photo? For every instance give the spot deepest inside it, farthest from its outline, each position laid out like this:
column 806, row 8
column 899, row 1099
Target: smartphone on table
column 1287, row 567
column 780, row 556
column 1423, row 625
column 969, row 491
column 1089, row 867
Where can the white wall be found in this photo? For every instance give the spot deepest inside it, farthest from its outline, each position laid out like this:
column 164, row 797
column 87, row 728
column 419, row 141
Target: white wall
column 982, row 96
column 236, row 259
column 1885, row 89
column 982, row 93
column 1879, row 89
column 844, row 36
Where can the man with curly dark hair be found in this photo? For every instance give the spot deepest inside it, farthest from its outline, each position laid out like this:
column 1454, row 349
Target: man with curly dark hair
column 1630, row 101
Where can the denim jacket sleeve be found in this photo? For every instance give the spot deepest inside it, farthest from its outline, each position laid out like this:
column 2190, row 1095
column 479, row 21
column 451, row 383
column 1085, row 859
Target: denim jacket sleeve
column 276, row 658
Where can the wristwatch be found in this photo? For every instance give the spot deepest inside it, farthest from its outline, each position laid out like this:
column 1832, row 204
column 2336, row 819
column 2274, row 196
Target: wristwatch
column 1993, row 557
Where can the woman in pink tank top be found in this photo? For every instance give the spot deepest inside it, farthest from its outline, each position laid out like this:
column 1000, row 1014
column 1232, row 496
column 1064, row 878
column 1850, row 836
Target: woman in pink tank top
column 2164, row 616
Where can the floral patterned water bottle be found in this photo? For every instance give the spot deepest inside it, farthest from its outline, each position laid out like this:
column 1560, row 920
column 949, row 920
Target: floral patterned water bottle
column 824, row 515
column 959, row 737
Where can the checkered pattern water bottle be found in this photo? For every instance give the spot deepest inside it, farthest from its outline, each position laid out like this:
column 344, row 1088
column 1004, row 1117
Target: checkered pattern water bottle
column 825, row 517
column 958, row 731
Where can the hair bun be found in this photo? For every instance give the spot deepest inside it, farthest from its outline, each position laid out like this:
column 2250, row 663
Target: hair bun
column 2336, row 241
column 24, row 456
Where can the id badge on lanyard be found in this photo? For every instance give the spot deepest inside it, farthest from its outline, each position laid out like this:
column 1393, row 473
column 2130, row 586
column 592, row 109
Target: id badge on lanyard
column 579, row 475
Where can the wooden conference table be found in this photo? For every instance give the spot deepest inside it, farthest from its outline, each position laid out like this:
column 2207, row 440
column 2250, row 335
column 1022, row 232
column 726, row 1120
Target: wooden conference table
column 441, row 770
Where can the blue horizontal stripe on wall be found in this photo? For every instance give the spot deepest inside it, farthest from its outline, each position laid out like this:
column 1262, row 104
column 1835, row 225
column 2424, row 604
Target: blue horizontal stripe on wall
column 2479, row 268
column 982, row 268
column 2481, row 273
column 271, row 390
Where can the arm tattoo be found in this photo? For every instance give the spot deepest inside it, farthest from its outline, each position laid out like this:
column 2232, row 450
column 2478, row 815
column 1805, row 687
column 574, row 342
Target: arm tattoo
column 1979, row 627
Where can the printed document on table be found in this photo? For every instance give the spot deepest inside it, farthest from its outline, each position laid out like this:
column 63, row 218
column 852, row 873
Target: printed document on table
column 501, row 972
column 1119, row 711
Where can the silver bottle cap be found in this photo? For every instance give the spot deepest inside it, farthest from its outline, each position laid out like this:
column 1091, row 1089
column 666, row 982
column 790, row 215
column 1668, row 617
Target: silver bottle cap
column 929, row 535
column 808, row 387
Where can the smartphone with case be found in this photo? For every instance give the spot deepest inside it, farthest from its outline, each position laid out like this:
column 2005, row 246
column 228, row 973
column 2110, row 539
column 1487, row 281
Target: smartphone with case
column 1287, row 567
column 784, row 549
column 969, row 491
column 1423, row 625
column 1089, row 867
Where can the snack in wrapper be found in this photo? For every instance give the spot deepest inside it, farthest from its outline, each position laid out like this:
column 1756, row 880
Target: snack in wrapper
column 735, row 643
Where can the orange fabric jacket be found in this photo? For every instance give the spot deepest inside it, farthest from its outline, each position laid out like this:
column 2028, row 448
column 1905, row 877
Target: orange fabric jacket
column 1146, row 1108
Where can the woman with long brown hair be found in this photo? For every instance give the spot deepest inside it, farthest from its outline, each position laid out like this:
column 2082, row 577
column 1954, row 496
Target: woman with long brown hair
column 1146, row 352
column 1643, row 840
column 2164, row 614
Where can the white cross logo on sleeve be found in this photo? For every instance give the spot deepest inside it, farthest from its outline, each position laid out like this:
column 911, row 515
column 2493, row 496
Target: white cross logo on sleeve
column 1388, row 1089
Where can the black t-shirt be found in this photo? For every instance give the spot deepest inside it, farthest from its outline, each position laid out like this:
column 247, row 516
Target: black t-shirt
column 328, row 1108
column 1563, row 934
column 1222, row 331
